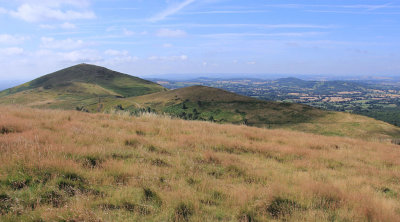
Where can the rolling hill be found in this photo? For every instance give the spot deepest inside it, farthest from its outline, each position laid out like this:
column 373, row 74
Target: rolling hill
column 94, row 89
column 72, row 166
column 77, row 86
column 207, row 103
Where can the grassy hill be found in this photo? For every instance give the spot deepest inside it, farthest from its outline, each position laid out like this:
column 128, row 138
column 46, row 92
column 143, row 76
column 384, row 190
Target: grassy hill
column 347, row 125
column 206, row 103
column 78, row 86
column 72, row 166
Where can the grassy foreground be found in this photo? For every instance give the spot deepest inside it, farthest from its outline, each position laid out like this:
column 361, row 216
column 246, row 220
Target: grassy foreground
column 72, row 166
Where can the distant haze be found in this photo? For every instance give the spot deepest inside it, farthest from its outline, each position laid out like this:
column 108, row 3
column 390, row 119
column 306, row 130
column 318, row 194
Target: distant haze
column 5, row 84
column 9, row 84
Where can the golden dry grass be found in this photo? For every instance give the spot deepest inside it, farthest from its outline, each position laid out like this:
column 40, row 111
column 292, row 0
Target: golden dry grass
column 71, row 166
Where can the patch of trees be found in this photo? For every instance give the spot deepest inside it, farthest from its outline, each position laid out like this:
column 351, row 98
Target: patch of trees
column 81, row 109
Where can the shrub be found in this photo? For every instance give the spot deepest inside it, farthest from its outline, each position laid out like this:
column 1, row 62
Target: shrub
column 247, row 215
column 396, row 141
column 235, row 171
column 216, row 195
column 159, row 162
column 183, row 212
column 121, row 156
column 6, row 130
column 214, row 198
column 92, row 161
column 120, row 178
column 192, row 181
column 281, row 207
column 54, row 198
column 73, row 177
column 72, row 183
column 6, row 203
column 127, row 206
column 152, row 148
column 140, row 133
column 18, row 181
column 151, row 196
column 132, row 142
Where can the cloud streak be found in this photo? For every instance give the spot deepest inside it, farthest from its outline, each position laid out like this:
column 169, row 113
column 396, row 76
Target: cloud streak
column 171, row 33
column 281, row 34
column 354, row 6
column 171, row 11
column 229, row 12
column 265, row 26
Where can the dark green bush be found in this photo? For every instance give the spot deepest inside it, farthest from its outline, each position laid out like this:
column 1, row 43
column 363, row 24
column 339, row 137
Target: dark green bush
column 6, row 130
column 151, row 196
column 159, row 162
column 132, row 142
column 53, row 198
column 247, row 215
column 6, row 203
column 72, row 184
column 183, row 212
column 92, row 161
column 18, row 181
column 281, row 207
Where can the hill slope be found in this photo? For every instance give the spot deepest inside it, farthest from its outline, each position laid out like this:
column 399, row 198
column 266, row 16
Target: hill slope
column 201, row 102
column 79, row 85
column 206, row 103
column 73, row 166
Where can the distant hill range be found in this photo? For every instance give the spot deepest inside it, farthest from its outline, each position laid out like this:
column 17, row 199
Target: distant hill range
column 96, row 89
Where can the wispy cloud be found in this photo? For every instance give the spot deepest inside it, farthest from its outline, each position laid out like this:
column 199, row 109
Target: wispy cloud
column 65, row 25
column 265, row 26
column 36, row 13
column 11, row 51
column 171, row 11
column 168, row 58
column 282, row 34
column 112, row 52
column 66, row 44
column 3, row 11
column 170, row 33
column 229, row 12
column 383, row 9
column 58, row 3
column 369, row 7
column 12, row 39
column 354, row 12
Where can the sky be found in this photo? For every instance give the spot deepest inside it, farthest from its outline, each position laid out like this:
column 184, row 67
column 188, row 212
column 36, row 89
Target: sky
column 200, row 37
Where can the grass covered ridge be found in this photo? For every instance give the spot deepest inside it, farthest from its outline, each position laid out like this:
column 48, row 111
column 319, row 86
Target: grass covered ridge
column 66, row 165
column 91, row 87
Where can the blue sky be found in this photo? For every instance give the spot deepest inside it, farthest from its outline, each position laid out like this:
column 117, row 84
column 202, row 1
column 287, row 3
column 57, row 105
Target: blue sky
column 149, row 37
